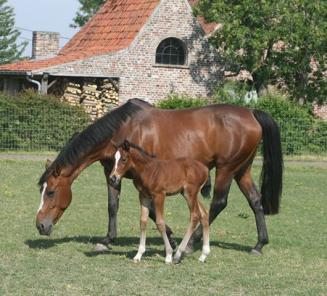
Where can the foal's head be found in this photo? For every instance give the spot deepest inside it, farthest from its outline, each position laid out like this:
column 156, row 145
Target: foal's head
column 124, row 160
column 122, row 163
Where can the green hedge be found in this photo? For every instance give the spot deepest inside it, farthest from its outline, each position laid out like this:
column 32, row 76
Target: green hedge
column 30, row 121
column 180, row 102
column 296, row 123
column 301, row 133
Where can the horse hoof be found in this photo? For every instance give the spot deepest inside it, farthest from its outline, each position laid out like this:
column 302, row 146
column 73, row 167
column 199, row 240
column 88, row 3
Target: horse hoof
column 100, row 248
column 169, row 260
column 189, row 250
column 107, row 240
column 256, row 252
column 177, row 260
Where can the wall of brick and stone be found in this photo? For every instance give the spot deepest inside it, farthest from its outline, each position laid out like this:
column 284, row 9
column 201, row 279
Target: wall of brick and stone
column 196, row 78
column 139, row 75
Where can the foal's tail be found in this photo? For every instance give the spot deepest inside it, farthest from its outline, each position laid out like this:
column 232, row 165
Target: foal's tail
column 272, row 170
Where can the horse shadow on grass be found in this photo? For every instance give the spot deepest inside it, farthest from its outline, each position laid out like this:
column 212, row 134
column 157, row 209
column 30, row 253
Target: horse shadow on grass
column 231, row 246
column 125, row 241
column 130, row 242
column 47, row 243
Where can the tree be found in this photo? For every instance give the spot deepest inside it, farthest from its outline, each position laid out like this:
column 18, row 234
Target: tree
column 87, row 10
column 9, row 50
column 278, row 42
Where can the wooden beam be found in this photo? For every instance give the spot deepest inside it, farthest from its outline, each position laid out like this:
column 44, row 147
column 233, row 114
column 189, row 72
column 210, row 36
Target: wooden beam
column 52, row 83
column 44, row 83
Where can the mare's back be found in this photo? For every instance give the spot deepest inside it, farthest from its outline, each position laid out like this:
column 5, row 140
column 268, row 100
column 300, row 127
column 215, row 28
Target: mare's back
column 211, row 134
column 200, row 133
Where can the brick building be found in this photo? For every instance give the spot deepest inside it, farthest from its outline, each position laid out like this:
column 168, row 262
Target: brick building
column 143, row 48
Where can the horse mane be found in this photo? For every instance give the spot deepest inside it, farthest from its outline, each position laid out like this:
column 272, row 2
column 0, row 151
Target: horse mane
column 141, row 150
column 95, row 134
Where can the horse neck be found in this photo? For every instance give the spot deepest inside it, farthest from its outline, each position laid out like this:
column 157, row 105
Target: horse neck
column 73, row 171
column 140, row 161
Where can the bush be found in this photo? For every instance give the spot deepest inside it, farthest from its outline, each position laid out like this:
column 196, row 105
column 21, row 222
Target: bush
column 231, row 92
column 295, row 121
column 180, row 102
column 301, row 133
column 30, row 121
column 317, row 137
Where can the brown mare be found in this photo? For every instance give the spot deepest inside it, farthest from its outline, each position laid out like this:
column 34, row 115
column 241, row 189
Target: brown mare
column 224, row 137
column 155, row 179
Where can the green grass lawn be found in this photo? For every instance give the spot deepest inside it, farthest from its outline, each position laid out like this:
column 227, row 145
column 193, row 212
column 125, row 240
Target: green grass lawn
column 294, row 263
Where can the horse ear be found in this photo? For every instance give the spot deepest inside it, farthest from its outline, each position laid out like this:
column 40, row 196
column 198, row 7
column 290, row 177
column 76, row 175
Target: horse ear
column 48, row 163
column 114, row 144
column 126, row 145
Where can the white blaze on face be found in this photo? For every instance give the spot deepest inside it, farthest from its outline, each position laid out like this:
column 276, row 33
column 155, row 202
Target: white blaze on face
column 42, row 196
column 117, row 157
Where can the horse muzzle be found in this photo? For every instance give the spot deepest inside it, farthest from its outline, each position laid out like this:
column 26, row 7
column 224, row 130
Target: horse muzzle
column 114, row 181
column 44, row 227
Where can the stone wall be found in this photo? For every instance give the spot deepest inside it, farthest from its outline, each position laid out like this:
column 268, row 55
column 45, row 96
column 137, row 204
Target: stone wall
column 139, row 75
column 197, row 78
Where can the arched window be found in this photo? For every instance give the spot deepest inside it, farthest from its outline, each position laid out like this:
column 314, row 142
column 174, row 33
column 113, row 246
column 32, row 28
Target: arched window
column 171, row 51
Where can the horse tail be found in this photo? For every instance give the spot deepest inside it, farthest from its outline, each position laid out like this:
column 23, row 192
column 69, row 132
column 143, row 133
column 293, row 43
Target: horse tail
column 271, row 178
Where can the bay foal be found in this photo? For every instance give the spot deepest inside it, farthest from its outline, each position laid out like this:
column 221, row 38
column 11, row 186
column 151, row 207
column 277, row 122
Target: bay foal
column 154, row 179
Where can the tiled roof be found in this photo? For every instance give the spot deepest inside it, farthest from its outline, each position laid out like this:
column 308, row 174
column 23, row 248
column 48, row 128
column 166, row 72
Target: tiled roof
column 208, row 28
column 113, row 28
column 30, row 65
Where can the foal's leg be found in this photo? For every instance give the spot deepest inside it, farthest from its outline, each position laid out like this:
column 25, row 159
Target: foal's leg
column 152, row 215
column 191, row 199
column 219, row 202
column 145, row 204
column 250, row 191
column 159, row 201
column 205, row 228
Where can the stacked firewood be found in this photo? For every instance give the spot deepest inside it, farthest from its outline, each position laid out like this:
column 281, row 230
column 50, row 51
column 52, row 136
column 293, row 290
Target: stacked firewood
column 72, row 93
column 96, row 97
column 109, row 94
column 89, row 99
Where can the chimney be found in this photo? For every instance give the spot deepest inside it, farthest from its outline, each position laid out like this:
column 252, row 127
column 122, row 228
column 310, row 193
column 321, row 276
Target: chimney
column 45, row 45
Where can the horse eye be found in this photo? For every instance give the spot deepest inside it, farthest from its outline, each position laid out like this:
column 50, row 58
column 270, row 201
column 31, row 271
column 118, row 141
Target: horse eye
column 124, row 160
column 50, row 193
